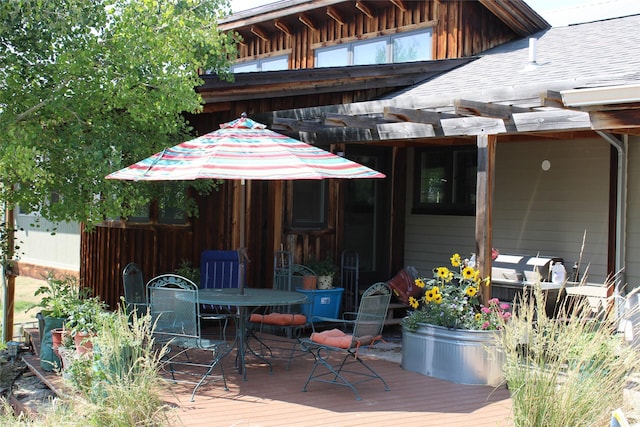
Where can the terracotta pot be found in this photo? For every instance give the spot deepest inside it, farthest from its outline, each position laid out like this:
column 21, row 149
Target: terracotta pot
column 309, row 282
column 57, row 335
column 83, row 342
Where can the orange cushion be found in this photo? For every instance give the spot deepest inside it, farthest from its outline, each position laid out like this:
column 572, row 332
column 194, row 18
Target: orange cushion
column 332, row 337
column 279, row 319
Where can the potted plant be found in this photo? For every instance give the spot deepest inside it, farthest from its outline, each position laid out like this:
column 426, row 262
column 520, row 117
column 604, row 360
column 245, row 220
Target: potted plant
column 84, row 321
column 450, row 334
column 325, row 269
column 59, row 296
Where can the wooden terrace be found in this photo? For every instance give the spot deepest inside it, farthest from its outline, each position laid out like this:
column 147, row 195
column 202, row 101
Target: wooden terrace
column 277, row 399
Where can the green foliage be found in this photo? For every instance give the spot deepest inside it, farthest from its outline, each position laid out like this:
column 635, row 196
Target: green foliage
column 323, row 267
column 85, row 315
column 186, row 269
column 59, row 296
column 89, row 87
column 566, row 371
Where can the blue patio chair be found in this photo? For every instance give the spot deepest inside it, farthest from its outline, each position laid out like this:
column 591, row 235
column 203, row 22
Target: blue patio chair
column 135, row 292
column 364, row 331
column 175, row 311
column 218, row 270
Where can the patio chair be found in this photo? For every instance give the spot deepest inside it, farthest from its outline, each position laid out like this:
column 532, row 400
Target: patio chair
column 219, row 269
column 175, row 311
column 365, row 330
column 135, row 292
column 289, row 320
column 349, row 277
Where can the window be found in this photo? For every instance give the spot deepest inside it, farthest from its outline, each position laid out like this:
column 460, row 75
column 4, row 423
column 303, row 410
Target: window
column 445, row 181
column 274, row 63
column 309, row 203
column 401, row 47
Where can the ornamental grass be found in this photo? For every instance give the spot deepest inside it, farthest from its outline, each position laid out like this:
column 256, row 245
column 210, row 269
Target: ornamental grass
column 570, row 370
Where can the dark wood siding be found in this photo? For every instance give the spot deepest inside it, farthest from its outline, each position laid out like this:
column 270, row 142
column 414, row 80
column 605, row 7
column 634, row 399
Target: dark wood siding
column 461, row 28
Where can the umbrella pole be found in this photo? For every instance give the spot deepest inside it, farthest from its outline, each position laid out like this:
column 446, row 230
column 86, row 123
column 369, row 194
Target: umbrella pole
column 242, row 253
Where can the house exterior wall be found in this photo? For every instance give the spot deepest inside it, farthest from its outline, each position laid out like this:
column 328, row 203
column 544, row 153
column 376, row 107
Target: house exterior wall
column 535, row 211
column 632, row 261
column 40, row 251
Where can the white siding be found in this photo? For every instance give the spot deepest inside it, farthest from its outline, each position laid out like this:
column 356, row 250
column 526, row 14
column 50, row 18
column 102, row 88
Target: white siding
column 39, row 247
column 535, row 211
column 632, row 262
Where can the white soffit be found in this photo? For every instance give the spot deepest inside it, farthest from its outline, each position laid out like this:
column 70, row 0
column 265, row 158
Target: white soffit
column 601, row 95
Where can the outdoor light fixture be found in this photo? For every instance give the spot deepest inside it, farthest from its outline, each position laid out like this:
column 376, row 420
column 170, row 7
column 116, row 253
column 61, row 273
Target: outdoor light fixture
column 13, row 347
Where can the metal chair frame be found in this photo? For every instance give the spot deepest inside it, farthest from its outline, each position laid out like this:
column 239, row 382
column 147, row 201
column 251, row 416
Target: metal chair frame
column 349, row 279
column 366, row 330
column 283, row 279
column 135, row 292
column 175, row 310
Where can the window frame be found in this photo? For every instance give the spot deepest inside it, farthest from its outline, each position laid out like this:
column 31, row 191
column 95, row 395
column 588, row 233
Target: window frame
column 389, row 38
column 323, row 214
column 458, row 182
column 258, row 62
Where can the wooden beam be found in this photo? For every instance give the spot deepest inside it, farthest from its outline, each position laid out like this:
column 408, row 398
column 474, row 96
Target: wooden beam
column 620, row 119
column 283, row 27
column 335, row 15
column 418, row 116
column 551, row 120
column 259, row 32
column 484, row 207
column 405, row 130
column 472, row 126
column 307, row 21
column 486, row 109
column 343, row 120
column 399, row 4
column 364, row 9
column 551, row 98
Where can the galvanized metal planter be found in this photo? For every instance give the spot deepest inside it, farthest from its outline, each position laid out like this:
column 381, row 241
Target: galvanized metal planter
column 460, row 356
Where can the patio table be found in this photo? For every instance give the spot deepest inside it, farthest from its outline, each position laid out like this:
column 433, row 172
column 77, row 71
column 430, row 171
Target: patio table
column 251, row 298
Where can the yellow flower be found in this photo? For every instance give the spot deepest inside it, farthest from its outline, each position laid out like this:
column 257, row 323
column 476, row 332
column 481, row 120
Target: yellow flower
column 456, row 260
column 487, row 281
column 431, row 294
column 468, row 273
column 471, row 291
column 442, row 272
column 478, row 316
column 419, row 283
column 413, row 302
column 438, row 299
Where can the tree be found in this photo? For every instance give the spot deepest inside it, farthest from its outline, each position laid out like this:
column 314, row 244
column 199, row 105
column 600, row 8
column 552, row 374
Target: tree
column 89, row 87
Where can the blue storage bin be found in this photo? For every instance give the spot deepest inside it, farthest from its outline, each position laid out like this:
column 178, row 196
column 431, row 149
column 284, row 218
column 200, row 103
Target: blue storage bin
column 326, row 302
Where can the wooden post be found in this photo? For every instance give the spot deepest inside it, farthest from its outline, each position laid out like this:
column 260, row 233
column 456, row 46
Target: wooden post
column 484, row 207
column 9, row 279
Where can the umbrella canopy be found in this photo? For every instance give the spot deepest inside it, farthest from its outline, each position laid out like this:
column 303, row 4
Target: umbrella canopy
column 243, row 149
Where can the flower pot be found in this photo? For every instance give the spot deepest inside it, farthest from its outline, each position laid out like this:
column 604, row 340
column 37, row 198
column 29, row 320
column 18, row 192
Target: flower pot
column 325, row 282
column 57, row 335
column 83, row 342
column 309, row 282
column 457, row 355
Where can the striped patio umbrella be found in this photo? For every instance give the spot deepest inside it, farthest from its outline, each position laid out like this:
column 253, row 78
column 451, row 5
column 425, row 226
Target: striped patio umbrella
column 243, row 150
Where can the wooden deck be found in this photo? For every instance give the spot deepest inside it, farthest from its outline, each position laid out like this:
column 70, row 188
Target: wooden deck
column 277, row 399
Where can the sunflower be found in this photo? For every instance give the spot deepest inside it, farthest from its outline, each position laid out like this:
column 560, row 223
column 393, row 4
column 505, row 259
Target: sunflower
column 413, row 302
column 456, row 260
column 443, row 273
column 471, row 291
column 431, row 294
column 468, row 273
column 420, row 283
column 478, row 317
column 438, row 299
